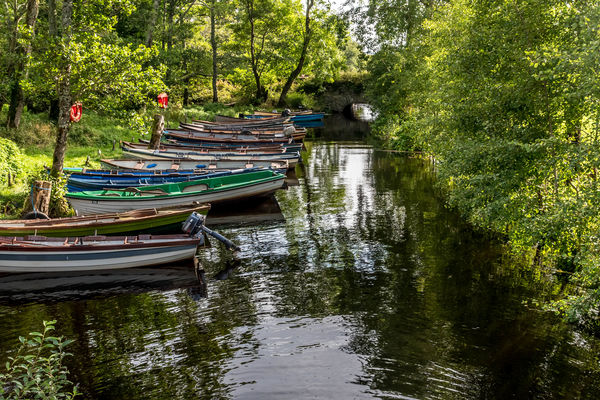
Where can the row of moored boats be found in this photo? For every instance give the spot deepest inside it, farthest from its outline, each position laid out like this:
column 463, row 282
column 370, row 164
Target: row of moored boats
column 171, row 185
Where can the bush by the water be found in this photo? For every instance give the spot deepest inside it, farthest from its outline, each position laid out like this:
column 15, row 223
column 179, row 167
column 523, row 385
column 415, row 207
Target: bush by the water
column 36, row 371
column 10, row 160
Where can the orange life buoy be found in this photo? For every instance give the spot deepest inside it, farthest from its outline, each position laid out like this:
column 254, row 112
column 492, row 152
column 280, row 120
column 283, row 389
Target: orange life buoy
column 76, row 111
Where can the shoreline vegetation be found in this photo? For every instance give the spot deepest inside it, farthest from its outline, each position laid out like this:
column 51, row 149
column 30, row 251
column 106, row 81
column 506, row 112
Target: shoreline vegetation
column 504, row 97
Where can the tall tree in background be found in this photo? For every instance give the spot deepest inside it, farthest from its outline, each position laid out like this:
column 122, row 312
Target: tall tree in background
column 257, row 47
column 213, row 8
column 307, row 34
column 19, row 68
column 213, row 46
column 64, row 88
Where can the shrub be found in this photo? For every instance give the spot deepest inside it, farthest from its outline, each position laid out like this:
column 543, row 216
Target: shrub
column 10, row 160
column 37, row 370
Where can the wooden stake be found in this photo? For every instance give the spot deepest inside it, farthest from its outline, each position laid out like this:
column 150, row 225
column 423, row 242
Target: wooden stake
column 41, row 196
column 158, row 124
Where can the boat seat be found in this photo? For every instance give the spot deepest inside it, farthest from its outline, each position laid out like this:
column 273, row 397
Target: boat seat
column 34, row 238
column 195, row 188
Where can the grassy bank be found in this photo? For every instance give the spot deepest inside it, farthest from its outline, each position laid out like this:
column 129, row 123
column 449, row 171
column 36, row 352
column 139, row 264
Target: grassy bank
column 95, row 136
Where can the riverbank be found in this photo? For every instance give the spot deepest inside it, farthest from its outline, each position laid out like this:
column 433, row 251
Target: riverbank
column 95, row 137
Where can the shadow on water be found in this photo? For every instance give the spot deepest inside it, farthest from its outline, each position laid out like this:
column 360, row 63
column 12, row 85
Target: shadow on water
column 364, row 286
column 57, row 287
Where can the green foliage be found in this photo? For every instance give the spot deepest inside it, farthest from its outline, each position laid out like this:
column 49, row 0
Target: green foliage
column 298, row 100
column 10, row 160
column 279, row 33
column 37, row 370
column 59, row 207
column 505, row 95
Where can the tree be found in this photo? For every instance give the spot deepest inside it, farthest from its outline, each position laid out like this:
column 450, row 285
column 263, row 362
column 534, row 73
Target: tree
column 91, row 64
column 19, row 68
column 256, row 50
column 64, row 89
column 307, row 34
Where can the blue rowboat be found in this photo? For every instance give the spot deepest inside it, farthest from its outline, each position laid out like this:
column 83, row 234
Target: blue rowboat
column 78, row 182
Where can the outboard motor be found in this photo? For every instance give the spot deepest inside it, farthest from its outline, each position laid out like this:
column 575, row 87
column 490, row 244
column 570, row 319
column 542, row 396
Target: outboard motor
column 193, row 225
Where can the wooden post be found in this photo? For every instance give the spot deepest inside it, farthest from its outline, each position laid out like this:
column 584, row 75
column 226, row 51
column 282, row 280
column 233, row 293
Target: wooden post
column 158, row 124
column 41, row 196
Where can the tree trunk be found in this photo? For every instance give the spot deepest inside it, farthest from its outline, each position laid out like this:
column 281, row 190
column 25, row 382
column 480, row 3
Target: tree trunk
column 64, row 91
column 170, row 16
column 11, row 66
column 52, row 18
column 294, row 74
column 52, row 34
column 152, row 23
column 261, row 93
column 213, row 45
column 186, row 93
column 17, row 99
column 158, row 124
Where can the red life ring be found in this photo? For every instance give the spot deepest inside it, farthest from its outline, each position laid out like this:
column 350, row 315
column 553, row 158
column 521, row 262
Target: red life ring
column 163, row 100
column 76, row 111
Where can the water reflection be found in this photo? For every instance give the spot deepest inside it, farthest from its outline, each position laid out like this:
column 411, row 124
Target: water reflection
column 367, row 286
column 59, row 287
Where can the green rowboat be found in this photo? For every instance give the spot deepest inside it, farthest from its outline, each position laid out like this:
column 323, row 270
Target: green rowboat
column 211, row 190
column 134, row 222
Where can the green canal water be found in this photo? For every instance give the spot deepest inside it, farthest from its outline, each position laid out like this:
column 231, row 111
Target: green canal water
column 364, row 286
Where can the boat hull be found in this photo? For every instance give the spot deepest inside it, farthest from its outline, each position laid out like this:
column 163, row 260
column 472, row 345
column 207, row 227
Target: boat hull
column 109, row 255
column 82, row 182
column 169, row 165
column 99, row 205
column 141, row 221
column 291, row 158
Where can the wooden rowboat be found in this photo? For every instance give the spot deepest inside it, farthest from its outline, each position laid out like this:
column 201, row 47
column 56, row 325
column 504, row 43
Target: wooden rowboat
column 209, row 150
column 225, row 120
column 138, row 221
column 291, row 158
column 175, row 165
column 77, row 182
column 295, row 116
column 228, row 138
column 212, row 190
column 90, row 253
column 263, row 130
column 224, row 147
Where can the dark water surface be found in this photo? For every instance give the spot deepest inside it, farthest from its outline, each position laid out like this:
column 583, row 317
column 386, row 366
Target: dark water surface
column 364, row 286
